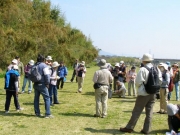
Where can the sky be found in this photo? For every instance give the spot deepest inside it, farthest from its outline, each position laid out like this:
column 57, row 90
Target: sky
column 127, row 27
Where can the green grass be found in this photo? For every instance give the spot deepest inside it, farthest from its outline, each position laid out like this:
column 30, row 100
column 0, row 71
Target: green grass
column 74, row 116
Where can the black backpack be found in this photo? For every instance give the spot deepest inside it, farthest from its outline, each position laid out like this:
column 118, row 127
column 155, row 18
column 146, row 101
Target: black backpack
column 153, row 85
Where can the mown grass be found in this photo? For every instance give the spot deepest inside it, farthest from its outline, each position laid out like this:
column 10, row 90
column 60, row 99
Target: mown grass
column 74, row 116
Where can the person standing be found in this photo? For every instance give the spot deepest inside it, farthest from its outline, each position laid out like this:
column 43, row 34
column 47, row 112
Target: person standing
column 104, row 78
column 49, row 61
column 75, row 66
column 11, row 87
column 80, row 73
column 62, row 73
column 164, row 88
column 176, row 79
column 26, row 79
column 122, row 71
column 143, row 100
column 14, row 62
column 115, row 75
column 53, row 83
column 131, row 76
column 41, row 87
column 20, row 65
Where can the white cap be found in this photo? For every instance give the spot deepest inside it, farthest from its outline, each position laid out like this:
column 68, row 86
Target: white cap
column 31, row 62
column 55, row 64
column 15, row 67
column 14, row 61
column 117, row 65
column 49, row 58
column 83, row 63
column 121, row 62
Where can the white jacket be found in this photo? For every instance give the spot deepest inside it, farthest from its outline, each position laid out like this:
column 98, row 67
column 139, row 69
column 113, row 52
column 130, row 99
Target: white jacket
column 142, row 76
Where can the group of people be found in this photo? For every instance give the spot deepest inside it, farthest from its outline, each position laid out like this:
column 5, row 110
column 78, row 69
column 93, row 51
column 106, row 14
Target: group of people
column 53, row 76
column 166, row 74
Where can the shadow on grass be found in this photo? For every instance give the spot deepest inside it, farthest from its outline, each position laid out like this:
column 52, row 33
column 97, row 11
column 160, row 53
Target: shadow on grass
column 89, row 93
column 14, row 113
column 76, row 114
column 116, row 131
column 31, row 103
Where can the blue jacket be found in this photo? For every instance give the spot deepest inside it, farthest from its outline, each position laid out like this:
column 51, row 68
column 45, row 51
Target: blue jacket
column 7, row 76
column 62, row 71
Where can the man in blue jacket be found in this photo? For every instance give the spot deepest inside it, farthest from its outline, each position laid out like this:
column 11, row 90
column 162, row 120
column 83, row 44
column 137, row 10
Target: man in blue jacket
column 41, row 87
column 62, row 73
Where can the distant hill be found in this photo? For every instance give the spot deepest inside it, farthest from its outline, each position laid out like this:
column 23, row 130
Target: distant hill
column 105, row 53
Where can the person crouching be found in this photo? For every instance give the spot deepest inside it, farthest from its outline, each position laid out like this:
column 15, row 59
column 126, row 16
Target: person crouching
column 121, row 90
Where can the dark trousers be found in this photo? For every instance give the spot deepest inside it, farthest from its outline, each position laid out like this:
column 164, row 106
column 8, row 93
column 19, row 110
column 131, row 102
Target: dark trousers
column 9, row 94
column 53, row 92
column 174, row 123
column 60, row 82
column 73, row 75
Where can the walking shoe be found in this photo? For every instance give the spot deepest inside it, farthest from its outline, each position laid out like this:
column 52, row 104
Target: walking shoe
column 144, row 132
column 56, row 103
column 20, row 109
column 6, row 112
column 29, row 92
column 126, row 130
column 104, row 116
column 49, row 116
column 38, row 115
column 51, row 104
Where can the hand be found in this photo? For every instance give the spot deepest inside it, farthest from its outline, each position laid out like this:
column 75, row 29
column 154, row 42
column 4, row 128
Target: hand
column 120, row 72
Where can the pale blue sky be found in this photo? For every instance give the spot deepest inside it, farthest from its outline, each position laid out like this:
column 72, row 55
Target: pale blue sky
column 127, row 27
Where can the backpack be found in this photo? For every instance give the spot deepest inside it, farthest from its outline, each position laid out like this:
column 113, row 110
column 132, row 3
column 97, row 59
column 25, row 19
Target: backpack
column 153, row 85
column 34, row 74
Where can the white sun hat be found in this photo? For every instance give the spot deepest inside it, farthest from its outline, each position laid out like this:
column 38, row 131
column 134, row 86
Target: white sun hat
column 15, row 67
column 49, row 58
column 31, row 62
column 117, row 65
column 147, row 57
column 55, row 64
column 14, row 61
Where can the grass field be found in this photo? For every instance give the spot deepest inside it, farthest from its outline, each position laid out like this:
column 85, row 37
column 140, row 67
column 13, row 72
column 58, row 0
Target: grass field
column 74, row 116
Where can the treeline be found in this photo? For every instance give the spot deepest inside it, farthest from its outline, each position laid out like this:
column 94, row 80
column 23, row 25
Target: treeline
column 29, row 27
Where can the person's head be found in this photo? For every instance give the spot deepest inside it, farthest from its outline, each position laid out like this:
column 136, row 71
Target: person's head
column 55, row 64
column 17, row 58
column 15, row 67
column 172, row 109
column 48, row 59
column 133, row 68
column 102, row 63
column 117, row 65
column 40, row 58
column 121, row 63
column 82, row 63
column 61, row 63
column 163, row 67
column 118, row 83
column 14, row 62
column 76, row 61
column 31, row 62
column 168, row 63
column 175, row 65
column 147, row 58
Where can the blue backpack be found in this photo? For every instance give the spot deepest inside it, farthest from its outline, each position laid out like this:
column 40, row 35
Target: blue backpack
column 34, row 74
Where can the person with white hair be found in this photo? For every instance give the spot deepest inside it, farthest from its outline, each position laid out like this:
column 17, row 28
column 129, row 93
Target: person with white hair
column 173, row 112
column 26, row 79
column 143, row 100
column 11, row 87
column 164, row 88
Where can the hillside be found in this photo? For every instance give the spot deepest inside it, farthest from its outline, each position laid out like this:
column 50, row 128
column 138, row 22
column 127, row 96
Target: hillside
column 29, row 27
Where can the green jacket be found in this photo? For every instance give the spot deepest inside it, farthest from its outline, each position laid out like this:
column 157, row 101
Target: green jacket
column 176, row 77
column 21, row 68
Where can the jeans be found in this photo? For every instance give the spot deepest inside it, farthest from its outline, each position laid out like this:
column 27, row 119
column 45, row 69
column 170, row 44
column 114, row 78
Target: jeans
column 24, row 84
column 9, row 94
column 61, row 80
column 53, row 91
column 177, row 90
column 41, row 89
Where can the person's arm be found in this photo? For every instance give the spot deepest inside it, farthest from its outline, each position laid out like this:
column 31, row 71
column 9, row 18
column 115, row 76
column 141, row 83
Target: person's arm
column 95, row 77
column 167, row 79
column 47, row 76
column 66, row 72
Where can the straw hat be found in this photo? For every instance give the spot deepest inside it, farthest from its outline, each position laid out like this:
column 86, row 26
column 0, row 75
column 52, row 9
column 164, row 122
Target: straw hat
column 117, row 65
column 147, row 57
column 102, row 63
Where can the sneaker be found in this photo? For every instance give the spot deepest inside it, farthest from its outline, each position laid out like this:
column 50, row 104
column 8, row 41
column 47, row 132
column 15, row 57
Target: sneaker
column 29, row 92
column 126, row 130
column 20, row 109
column 38, row 115
column 49, row 116
column 56, row 103
column 6, row 112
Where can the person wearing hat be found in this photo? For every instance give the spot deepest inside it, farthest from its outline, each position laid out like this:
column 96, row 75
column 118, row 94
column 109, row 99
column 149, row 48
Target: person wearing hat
column 20, row 65
column 53, row 83
column 164, row 88
column 62, row 73
column 49, row 61
column 11, row 87
column 120, row 89
column 115, row 75
column 176, row 79
column 122, row 71
column 13, row 62
column 80, row 73
column 143, row 100
column 102, row 77
column 173, row 112
column 131, row 76
column 26, row 79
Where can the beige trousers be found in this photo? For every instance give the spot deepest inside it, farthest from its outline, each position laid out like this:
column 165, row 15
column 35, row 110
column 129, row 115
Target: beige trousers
column 80, row 81
column 163, row 99
column 101, row 97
